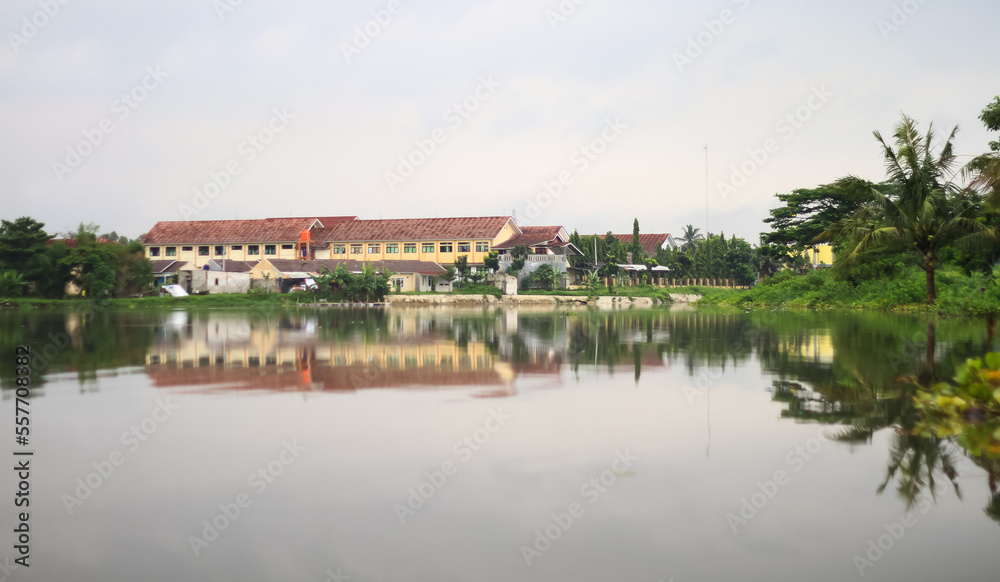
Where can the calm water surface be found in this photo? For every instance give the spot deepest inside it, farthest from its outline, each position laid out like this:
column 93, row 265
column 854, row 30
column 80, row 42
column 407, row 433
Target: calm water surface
column 495, row 445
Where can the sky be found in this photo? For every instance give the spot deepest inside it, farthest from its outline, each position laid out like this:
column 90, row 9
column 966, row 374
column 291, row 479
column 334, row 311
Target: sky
column 580, row 113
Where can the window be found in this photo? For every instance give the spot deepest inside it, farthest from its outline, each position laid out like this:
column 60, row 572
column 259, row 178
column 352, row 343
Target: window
column 270, row 249
column 392, row 248
column 170, row 251
column 203, row 251
column 287, row 247
column 187, row 249
column 220, row 250
column 397, row 282
column 482, row 247
column 339, row 250
column 154, row 251
column 356, row 249
column 446, row 247
column 253, row 249
column 216, row 281
column 464, row 247
column 427, row 248
column 236, row 248
column 374, row 248
column 410, row 248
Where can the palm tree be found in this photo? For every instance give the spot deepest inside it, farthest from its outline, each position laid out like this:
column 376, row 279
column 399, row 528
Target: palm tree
column 690, row 238
column 984, row 170
column 926, row 209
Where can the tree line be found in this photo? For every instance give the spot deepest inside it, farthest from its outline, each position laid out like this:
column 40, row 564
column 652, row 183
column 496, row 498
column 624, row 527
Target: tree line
column 929, row 212
column 36, row 263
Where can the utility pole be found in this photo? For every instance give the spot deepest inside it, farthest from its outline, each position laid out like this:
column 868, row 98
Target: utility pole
column 706, row 191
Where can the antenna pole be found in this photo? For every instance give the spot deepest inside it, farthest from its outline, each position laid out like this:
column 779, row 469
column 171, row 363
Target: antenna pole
column 706, row 190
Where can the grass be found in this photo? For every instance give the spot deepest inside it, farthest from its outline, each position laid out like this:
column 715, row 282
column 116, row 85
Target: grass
column 958, row 294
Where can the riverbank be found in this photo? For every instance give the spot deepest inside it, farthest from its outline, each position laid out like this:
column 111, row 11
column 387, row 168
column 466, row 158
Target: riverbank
column 234, row 300
column 957, row 294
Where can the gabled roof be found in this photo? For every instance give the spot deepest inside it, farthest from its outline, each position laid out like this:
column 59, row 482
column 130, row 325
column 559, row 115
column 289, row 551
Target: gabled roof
column 415, row 229
column 231, row 266
column 649, row 242
column 228, row 231
column 534, row 236
column 161, row 267
column 332, row 221
column 315, row 266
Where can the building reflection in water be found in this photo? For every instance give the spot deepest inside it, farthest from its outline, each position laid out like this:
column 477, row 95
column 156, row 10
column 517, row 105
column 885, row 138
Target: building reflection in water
column 326, row 351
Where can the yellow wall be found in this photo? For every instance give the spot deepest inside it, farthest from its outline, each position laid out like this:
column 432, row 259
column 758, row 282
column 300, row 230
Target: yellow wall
column 229, row 253
column 436, row 256
column 243, row 255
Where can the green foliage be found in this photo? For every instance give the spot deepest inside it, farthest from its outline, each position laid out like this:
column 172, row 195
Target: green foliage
column 462, row 267
column 807, row 213
column 924, row 210
column 492, row 261
column 690, row 238
column 12, row 284
column 370, row 285
column 518, row 254
column 544, row 277
column 968, row 408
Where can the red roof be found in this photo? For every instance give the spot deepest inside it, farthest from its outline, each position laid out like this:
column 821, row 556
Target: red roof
column 415, row 229
column 228, row 231
column 649, row 242
column 332, row 221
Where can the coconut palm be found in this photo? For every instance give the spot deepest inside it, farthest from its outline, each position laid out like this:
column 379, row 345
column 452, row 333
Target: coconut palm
column 984, row 170
column 925, row 208
column 691, row 237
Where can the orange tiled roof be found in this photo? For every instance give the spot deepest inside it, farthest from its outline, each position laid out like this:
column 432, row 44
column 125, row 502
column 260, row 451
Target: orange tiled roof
column 228, row 231
column 415, row 229
column 649, row 242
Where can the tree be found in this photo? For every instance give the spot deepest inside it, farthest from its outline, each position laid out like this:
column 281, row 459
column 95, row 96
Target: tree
column 545, row 276
column 638, row 253
column 492, row 261
column 449, row 275
column 690, row 238
column 926, row 210
column 462, row 267
column 984, row 170
column 11, row 283
column 20, row 241
column 808, row 212
column 519, row 253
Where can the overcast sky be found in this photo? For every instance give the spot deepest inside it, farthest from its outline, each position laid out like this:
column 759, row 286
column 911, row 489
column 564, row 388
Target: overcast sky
column 307, row 108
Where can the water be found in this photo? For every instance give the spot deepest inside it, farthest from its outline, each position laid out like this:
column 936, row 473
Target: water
column 409, row 444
